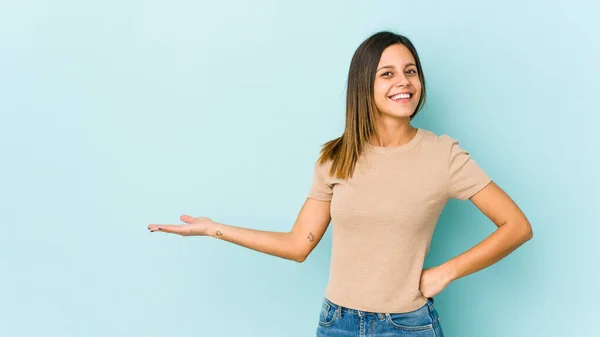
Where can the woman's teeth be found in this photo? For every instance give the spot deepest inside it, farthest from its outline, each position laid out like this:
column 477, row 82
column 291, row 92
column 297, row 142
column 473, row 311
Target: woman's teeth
column 400, row 96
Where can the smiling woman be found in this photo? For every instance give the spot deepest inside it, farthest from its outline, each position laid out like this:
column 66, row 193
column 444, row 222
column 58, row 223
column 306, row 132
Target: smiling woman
column 397, row 64
column 383, row 184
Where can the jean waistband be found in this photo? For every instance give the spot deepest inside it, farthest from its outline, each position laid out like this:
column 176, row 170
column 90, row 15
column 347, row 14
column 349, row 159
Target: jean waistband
column 357, row 312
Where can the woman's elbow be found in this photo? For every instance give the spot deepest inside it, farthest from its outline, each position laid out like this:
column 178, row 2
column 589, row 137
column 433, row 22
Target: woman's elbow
column 528, row 231
column 300, row 256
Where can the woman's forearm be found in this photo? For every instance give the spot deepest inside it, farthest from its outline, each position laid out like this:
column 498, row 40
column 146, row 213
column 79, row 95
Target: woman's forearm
column 499, row 244
column 280, row 244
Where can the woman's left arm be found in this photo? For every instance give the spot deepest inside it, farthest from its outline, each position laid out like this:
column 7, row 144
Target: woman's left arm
column 513, row 230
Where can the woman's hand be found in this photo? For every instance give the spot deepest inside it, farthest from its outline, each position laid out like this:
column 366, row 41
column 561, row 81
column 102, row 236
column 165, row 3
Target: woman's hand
column 433, row 281
column 193, row 226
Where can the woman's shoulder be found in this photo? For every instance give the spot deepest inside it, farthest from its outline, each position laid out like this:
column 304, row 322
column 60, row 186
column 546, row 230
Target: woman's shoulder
column 439, row 140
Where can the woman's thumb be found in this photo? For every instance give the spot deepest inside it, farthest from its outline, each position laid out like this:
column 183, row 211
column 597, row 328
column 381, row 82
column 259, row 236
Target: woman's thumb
column 187, row 218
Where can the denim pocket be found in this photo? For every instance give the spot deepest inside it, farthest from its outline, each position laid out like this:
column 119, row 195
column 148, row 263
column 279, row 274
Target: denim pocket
column 418, row 320
column 327, row 314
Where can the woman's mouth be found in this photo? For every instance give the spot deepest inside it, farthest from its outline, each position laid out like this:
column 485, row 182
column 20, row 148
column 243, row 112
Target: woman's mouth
column 402, row 97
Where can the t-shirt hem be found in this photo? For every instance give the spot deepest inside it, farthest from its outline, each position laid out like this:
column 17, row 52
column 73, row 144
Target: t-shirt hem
column 475, row 189
column 319, row 197
column 390, row 310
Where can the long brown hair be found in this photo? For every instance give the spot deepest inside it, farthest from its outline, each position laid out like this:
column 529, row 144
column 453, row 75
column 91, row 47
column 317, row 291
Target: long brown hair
column 361, row 110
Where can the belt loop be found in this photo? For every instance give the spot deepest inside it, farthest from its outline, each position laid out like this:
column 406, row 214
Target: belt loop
column 338, row 311
column 430, row 305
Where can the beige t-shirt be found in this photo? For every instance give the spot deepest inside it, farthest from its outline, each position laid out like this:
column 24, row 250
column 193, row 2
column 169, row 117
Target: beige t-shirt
column 384, row 216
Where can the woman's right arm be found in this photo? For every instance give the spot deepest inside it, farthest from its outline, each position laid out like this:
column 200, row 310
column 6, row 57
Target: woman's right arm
column 310, row 226
column 296, row 245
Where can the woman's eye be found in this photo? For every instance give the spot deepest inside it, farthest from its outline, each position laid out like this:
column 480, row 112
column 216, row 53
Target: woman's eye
column 413, row 71
column 387, row 72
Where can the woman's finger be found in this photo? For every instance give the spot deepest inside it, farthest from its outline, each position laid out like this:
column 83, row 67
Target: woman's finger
column 186, row 218
column 177, row 229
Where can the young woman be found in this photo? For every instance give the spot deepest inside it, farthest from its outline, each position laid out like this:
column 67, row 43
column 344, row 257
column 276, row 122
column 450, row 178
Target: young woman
column 383, row 185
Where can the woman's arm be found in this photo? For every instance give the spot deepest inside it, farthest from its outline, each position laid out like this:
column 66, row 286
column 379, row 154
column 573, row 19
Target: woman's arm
column 513, row 230
column 295, row 245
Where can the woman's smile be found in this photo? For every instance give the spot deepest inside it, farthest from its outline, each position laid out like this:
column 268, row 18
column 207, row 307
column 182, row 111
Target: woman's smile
column 401, row 98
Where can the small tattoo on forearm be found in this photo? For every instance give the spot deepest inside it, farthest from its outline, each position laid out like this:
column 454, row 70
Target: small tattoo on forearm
column 311, row 237
column 219, row 233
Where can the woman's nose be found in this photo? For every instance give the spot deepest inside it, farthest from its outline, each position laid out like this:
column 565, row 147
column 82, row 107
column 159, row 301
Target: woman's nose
column 403, row 82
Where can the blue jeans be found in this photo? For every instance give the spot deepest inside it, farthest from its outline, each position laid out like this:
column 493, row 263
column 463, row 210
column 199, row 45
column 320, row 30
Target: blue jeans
column 338, row 321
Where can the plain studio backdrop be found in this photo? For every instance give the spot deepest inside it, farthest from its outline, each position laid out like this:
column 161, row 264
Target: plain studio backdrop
column 116, row 115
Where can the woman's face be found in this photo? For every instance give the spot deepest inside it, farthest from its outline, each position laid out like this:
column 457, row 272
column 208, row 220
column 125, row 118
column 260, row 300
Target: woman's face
column 396, row 73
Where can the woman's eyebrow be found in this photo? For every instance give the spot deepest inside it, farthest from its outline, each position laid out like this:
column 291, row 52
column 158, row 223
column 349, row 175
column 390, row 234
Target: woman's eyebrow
column 393, row 67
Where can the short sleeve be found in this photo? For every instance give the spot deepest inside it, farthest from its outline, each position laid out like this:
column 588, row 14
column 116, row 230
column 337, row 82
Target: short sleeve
column 465, row 176
column 321, row 187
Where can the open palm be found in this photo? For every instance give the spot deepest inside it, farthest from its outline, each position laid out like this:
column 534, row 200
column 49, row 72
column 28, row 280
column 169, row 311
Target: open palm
column 193, row 226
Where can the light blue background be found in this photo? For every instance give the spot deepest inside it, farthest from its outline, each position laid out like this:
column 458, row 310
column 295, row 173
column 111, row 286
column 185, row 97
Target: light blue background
column 115, row 115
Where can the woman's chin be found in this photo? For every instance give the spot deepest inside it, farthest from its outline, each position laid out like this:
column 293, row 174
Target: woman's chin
column 404, row 113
